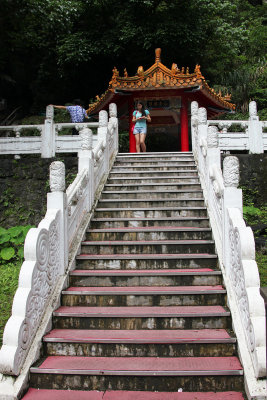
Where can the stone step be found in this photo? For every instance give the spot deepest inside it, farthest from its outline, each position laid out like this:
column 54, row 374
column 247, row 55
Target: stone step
column 122, row 278
column 144, row 296
column 155, row 172
column 141, row 343
column 186, row 163
column 52, row 394
column 162, row 157
column 148, row 233
column 150, row 166
column 183, row 186
column 149, row 194
column 102, row 223
column 148, row 247
column 157, row 317
column 155, row 212
column 147, row 203
column 146, row 261
column 159, row 160
column 156, row 178
column 101, row 373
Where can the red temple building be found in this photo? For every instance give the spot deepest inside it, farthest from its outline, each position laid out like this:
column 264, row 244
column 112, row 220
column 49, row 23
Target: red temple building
column 167, row 94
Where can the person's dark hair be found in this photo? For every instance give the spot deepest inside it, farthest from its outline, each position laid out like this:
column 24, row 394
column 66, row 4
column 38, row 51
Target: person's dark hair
column 77, row 102
column 143, row 108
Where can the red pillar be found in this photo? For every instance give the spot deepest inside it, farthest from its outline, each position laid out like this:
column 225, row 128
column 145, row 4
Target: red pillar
column 132, row 146
column 184, row 125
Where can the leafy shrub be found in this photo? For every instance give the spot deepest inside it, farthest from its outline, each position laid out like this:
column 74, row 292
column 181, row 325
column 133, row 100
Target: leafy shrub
column 261, row 259
column 124, row 142
column 9, row 275
column 11, row 243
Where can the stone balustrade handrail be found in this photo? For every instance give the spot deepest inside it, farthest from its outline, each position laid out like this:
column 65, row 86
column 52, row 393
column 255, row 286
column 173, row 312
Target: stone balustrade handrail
column 18, row 128
column 235, row 247
column 227, row 122
column 50, row 249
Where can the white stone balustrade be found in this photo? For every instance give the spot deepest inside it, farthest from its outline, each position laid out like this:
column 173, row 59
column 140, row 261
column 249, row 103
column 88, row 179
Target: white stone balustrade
column 48, row 249
column 236, row 250
column 252, row 138
column 49, row 142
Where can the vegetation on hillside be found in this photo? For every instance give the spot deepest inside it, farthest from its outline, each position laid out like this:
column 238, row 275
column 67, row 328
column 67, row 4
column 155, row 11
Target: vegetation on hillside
column 55, row 50
column 11, row 257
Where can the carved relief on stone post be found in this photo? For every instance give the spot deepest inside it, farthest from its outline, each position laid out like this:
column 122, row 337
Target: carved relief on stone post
column 202, row 116
column 194, row 108
column 113, row 110
column 231, row 171
column 213, row 139
column 253, row 109
column 103, row 118
column 57, row 176
column 49, row 112
column 86, row 135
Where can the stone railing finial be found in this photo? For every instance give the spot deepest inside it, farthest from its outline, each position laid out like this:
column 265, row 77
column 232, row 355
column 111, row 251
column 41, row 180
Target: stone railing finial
column 113, row 110
column 49, row 112
column 194, row 108
column 213, row 138
column 202, row 116
column 103, row 118
column 231, row 171
column 252, row 109
column 57, row 176
column 86, row 135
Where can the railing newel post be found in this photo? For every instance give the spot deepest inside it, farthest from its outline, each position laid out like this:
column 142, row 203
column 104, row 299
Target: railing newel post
column 48, row 144
column 85, row 156
column 113, row 120
column 255, row 131
column 57, row 199
column 103, row 136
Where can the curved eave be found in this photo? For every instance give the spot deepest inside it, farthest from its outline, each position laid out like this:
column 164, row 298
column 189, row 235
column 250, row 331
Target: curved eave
column 216, row 98
column 102, row 102
column 159, row 77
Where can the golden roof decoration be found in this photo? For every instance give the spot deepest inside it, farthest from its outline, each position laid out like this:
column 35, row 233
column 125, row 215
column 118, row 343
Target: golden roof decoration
column 158, row 76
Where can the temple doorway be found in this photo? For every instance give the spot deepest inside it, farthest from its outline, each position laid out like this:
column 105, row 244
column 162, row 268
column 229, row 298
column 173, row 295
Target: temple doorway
column 163, row 139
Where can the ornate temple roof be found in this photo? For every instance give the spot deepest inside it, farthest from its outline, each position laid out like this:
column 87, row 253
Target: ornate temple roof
column 159, row 77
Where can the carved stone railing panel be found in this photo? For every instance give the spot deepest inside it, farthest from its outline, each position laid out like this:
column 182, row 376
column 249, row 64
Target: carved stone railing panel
column 235, row 247
column 48, row 247
column 77, row 201
column 244, row 276
column 251, row 136
column 37, row 280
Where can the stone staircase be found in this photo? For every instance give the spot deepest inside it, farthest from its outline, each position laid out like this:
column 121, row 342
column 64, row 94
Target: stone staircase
column 145, row 314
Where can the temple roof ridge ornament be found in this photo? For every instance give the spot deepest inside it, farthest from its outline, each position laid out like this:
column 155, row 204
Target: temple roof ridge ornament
column 157, row 55
column 158, row 76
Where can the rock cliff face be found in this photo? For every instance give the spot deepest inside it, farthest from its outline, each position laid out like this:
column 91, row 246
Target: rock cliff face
column 253, row 175
column 24, row 183
column 23, row 187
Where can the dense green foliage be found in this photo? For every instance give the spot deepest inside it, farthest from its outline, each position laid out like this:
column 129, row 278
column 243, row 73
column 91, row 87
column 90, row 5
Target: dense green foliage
column 9, row 274
column 11, row 257
column 55, row 50
column 11, row 243
column 256, row 218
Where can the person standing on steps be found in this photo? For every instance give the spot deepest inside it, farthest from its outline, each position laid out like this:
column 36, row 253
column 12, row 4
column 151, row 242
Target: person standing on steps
column 77, row 113
column 140, row 118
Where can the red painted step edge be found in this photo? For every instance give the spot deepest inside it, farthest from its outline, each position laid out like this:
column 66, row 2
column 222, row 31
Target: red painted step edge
column 45, row 394
column 140, row 365
column 144, row 289
column 138, row 336
column 141, row 311
column 184, row 271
